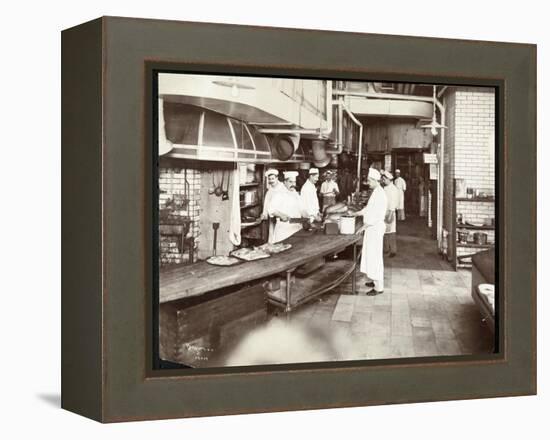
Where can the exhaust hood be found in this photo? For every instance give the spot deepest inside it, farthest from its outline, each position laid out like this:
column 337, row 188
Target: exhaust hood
column 191, row 132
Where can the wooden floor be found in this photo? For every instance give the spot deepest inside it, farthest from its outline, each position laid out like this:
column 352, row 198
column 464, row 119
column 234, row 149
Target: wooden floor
column 425, row 310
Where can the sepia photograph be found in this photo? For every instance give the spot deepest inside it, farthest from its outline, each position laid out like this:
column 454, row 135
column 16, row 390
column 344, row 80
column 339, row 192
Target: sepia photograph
column 305, row 220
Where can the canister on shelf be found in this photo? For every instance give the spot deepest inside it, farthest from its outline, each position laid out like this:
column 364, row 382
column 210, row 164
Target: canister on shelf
column 480, row 238
column 462, row 237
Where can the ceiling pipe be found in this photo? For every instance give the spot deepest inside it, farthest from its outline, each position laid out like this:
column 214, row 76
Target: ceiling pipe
column 441, row 91
column 384, row 96
column 441, row 174
column 288, row 131
column 342, row 107
column 393, row 96
column 270, row 123
column 441, row 170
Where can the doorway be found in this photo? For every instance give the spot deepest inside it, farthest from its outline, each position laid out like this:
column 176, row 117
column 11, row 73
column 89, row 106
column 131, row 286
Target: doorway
column 416, row 175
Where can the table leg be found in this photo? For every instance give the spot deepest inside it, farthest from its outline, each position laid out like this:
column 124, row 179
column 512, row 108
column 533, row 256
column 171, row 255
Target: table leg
column 288, row 291
column 354, row 274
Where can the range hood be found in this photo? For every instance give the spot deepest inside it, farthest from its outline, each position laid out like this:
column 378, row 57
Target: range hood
column 196, row 133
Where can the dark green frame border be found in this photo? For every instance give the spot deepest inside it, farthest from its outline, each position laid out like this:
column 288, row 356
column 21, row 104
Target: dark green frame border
column 107, row 286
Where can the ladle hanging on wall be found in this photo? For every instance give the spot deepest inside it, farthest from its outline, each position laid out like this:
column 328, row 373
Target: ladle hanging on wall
column 213, row 186
column 219, row 189
column 225, row 193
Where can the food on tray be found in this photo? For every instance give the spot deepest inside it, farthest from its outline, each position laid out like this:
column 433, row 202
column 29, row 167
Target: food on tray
column 274, row 248
column 337, row 208
column 249, row 254
column 333, row 217
column 222, row 260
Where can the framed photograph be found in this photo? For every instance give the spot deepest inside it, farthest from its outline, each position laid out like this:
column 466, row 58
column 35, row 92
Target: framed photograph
column 322, row 219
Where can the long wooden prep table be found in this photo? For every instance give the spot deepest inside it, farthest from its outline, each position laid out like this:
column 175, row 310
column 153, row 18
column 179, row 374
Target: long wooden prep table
column 193, row 280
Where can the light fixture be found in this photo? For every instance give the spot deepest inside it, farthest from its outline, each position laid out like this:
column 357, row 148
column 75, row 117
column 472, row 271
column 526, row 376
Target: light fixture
column 234, row 84
column 433, row 125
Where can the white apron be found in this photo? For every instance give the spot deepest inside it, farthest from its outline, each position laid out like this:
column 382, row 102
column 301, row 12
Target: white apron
column 308, row 193
column 392, row 196
column 327, row 191
column 402, row 187
column 372, row 256
column 267, row 203
column 283, row 230
column 290, row 204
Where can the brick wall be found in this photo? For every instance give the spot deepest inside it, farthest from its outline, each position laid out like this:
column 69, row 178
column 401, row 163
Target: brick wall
column 474, row 131
column 179, row 189
column 469, row 154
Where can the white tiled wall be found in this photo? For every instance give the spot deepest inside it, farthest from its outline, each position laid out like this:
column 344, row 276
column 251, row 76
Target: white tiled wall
column 469, row 154
column 173, row 181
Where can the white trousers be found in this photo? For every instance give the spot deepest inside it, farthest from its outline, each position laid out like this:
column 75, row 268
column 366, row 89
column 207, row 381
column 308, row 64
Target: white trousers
column 378, row 284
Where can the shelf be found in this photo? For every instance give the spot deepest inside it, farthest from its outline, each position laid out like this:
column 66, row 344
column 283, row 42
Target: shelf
column 473, row 245
column 483, row 227
column 244, row 185
column 332, row 274
column 475, row 199
column 251, row 205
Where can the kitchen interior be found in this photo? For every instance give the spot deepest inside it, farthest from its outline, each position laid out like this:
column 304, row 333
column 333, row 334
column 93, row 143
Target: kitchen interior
column 228, row 297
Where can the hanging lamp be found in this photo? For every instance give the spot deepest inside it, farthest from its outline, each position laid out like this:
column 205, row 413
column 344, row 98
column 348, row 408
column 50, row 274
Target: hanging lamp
column 433, row 125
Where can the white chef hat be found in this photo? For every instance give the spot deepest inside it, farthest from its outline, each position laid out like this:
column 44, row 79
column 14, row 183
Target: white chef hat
column 272, row 171
column 388, row 175
column 313, row 171
column 374, row 174
column 290, row 174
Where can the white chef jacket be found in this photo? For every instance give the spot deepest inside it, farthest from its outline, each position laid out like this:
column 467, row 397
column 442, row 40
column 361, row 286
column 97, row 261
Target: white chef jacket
column 308, row 194
column 267, row 202
column 393, row 196
column 328, row 186
column 372, row 260
column 401, row 185
column 290, row 204
column 269, row 195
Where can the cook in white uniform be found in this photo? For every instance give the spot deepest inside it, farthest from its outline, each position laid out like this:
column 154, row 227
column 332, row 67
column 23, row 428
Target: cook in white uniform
column 285, row 205
column 401, row 185
column 273, row 185
column 392, row 195
column 308, row 193
column 372, row 258
column 329, row 190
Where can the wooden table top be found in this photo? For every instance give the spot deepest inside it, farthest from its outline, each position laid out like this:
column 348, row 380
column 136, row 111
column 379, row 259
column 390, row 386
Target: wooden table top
column 192, row 280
